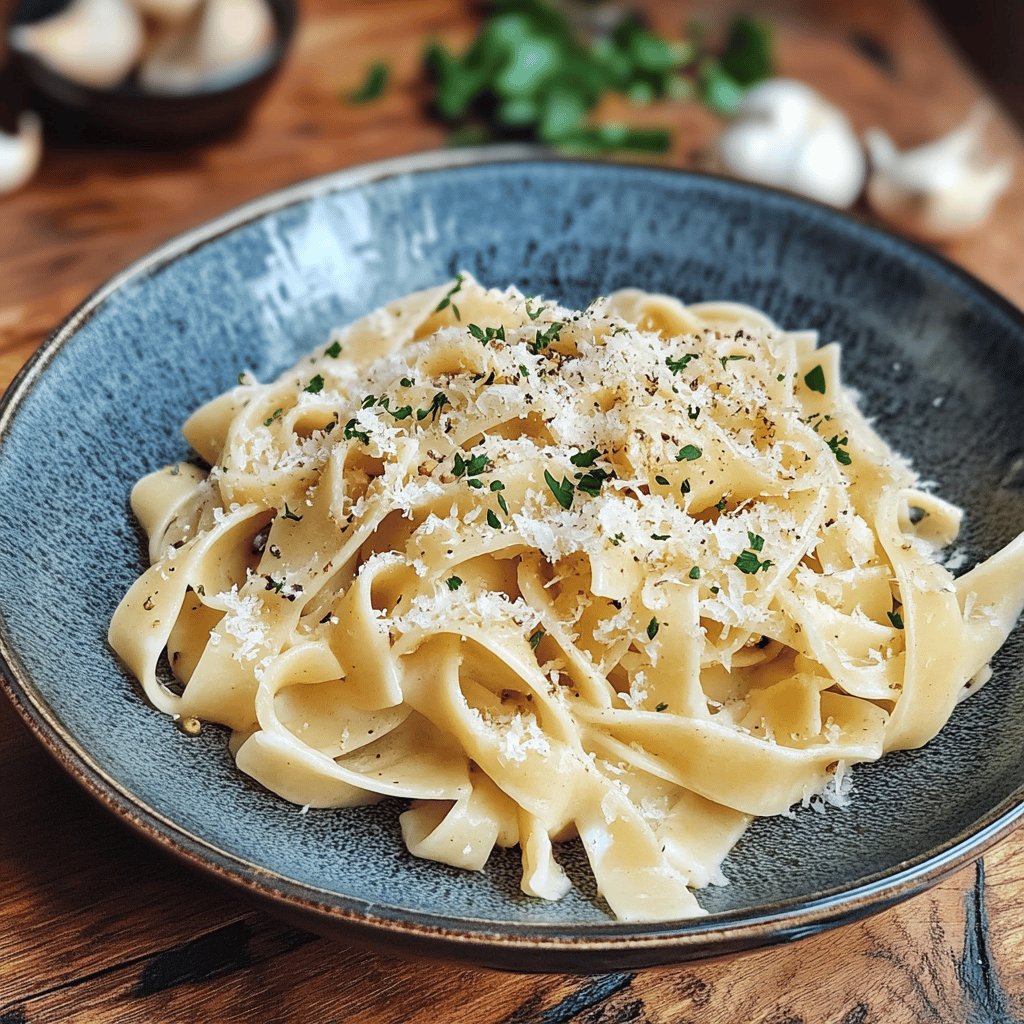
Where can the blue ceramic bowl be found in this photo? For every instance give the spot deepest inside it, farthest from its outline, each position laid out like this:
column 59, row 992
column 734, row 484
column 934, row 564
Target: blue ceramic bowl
column 938, row 357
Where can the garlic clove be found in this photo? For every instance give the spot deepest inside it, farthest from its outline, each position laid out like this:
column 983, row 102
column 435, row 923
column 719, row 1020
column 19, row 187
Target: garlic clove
column 20, row 153
column 92, row 42
column 169, row 11
column 225, row 37
column 786, row 135
column 944, row 188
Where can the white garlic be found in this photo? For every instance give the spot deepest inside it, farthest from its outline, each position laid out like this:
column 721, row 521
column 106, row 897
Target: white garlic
column 93, row 42
column 785, row 135
column 20, row 153
column 942, row 189
column 226, row 36
column 172, row 11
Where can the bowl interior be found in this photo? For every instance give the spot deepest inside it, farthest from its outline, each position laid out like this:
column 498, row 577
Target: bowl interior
column 938, row 360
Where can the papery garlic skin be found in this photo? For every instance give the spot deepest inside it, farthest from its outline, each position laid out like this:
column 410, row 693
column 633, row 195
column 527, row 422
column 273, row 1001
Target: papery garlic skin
column 92, row 42
column 942, row 189
column 227, row 36
column 786, row 135
column 20, row 153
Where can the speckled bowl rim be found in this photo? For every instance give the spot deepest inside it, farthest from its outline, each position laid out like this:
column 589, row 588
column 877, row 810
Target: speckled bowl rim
column 540, row 946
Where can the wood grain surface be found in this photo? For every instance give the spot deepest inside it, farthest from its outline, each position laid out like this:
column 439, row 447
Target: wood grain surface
column 95, row 925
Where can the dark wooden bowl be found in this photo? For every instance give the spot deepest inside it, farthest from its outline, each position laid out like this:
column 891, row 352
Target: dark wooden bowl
column 76, row 112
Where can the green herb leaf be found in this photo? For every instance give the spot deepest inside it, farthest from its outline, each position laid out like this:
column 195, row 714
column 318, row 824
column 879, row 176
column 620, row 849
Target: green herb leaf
column 695, row 573
column 659, row 479
column 749, row 563
column 492, row 520
column 747, row 56
column 652, row 628
column 535, row 638
column 585, row 459
column 333, row 350
column 453, row 582
column 374, row 84
column 353, row 433
column 316, row 385
column 563, row 491
column 718, row 90
column 447, row 300
column 289, row 514
column 836, row 443
column 661, row 707
column 533, row 313
column 896, row 619
column 276, row 415
column 677, row 365
column 815, row 379
column 438, row 402
column 756, row 542
column 403, row 413
column 684, row 487
column 689, row 453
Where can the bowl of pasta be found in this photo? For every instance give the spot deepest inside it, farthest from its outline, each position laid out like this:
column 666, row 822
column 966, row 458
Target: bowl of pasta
column 544, row 564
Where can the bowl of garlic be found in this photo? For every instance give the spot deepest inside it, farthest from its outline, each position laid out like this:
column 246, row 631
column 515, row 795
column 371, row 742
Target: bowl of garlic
column 155, row 72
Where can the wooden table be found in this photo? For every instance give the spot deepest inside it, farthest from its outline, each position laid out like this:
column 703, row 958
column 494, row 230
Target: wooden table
column 97, row 926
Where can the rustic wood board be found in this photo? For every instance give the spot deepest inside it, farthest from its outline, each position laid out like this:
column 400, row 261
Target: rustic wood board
column 95, row 925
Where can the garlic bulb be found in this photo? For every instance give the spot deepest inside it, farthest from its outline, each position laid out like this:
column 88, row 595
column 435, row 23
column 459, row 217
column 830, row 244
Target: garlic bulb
column 20, row 153
column 93, row 42
column 784, row 134
column 226, row 36
column 170, row 11
column 942, row 189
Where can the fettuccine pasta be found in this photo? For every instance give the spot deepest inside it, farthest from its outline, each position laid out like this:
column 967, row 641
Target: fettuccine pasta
column 636, row 574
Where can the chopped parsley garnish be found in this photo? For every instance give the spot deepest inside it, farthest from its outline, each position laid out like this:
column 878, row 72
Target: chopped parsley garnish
column 896, row 619
column 453, row 582
column 289, row 514
column 276, row 415
column 676, row 365
column 720, row 504
column 502, row 503
column 836, row 443
column 333, row 350
column 689, row 453
column 563, row 491
column 730, row 359
column 618, row 539
column 585, row 459
column 201, row 590
column 447, row 300
column 662, row 707
column 488, row 334
column 545, row 337
column 492, row 520
column 693, row 411
column 652, row 628
column 403, row 413
column 695, row 573
column 369, row 402
column 535, row 638
column 276, row 585
column 316, row 385
column 470, row 467
column 749, row 563
column 659, row 479
column 373, row 86
column 406, row 382
column 353, row 433
column 756, row 542
column 523, row 370
column 497, row 485
column 684, row 487
column 659, row 536
column 532, row 313
column 780, row 376
column 815, row 380
column 475, row 482
column 438, row 402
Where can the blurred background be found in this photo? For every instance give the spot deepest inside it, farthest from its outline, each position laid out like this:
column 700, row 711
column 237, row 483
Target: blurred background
column 127, row 121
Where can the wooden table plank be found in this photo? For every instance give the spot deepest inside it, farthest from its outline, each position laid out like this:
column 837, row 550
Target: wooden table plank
column 96, row 926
